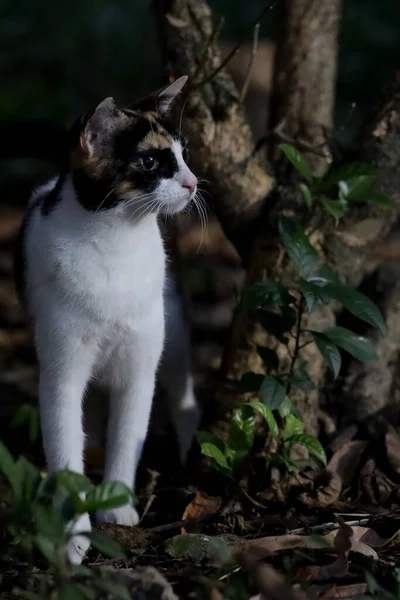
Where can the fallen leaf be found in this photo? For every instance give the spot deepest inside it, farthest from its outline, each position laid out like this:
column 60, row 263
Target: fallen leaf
column 346, row 460
column 201, row 505
column 272, row 585
column 342, row 540
column 323, row 488
column 345, row 591
column 366, row 477
column 392, row 443
column 346, row 435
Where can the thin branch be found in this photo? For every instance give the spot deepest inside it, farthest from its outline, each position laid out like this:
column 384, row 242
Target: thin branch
column 297, row 345
column 207, row 45
column 256, row 43
column 236, row 48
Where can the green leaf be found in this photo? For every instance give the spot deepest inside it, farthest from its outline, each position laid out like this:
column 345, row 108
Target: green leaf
column 26, row 479
column 305, row 190
column 347, row 171
column 325, row 274
column 198, row 548
column 268, row 416
column 378, row 199
column 335, row 208
column 116, row 591
column 245, row 420
column 205, row 437
column 105, row 544
column 298, row 247
column 314, row 294
column 354, row 188
column 330, row 353
column 265, row 294
column 75, row 591
column 110, row 494
column 311, row 444
column 272, row 392
column 250, row 382
column 7, row 465
column 214, row 452
column 46, row 546
column 287, row 408
column 48, row 522
column 27, row 415
column 297, row 160
column 358, row 304
column 269, row 357
column 356, row 345
column 237, row 439
column 293, row 426
column 277, row 325
column 74, row 483
column 301, row 379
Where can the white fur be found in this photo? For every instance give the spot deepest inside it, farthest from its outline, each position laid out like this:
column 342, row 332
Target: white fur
column 94, row 288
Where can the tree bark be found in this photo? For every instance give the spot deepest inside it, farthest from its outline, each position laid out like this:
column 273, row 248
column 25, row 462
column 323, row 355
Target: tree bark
column 305, row 74
column 303, row 101
column 366, row 247
column 219, row 137
column 222, row 145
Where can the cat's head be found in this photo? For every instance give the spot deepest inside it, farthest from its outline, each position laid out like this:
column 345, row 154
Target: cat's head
column 131, row 159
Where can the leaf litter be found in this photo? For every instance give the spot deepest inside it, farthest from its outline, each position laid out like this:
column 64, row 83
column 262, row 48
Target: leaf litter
column 325, row 533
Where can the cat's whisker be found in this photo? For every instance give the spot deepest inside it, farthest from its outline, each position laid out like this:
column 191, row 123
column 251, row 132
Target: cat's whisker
column 202, row 212
column 105, row 198
column 138, row 199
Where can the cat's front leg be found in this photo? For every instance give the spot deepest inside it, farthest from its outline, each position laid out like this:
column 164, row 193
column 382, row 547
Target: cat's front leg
column 133, row 383
column 66, row 359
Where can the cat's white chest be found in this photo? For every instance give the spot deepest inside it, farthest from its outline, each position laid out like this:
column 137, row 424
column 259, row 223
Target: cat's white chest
column 106, row 269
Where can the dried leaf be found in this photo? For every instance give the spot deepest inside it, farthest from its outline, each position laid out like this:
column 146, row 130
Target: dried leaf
column 323, row 488
column 342, row 541
column 356, row 539
column 392, row 442
column 272, row 585
column 201, row 505
column 176, row 21
column 345, row 591
column 346, row 460
column 338, row 568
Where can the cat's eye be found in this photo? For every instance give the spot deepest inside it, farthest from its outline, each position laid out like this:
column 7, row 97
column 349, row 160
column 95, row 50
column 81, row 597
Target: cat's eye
column 149, row 163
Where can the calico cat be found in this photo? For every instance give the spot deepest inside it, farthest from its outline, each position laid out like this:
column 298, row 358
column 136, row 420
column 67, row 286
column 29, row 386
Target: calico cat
column 96, row 288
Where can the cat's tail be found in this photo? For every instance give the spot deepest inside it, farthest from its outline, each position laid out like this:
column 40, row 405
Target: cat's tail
column 33, row 138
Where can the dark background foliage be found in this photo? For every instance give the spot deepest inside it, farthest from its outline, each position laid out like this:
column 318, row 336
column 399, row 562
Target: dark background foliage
column 59, row 58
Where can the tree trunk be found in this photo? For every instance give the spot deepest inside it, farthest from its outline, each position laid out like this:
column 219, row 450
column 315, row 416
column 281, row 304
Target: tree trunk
column 366, row 247
column 305, row 74
column 219, row 136
column 303, row 100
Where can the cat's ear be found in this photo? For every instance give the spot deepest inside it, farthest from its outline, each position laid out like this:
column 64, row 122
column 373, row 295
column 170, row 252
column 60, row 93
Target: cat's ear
column 168, row 95
column 162, row 99
column 97, row 125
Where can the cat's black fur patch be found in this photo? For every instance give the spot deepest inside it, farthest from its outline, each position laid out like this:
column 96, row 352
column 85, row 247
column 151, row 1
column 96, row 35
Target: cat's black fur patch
column 93, row 195
column 51, row 200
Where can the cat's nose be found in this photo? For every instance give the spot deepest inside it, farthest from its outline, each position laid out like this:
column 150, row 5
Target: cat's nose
column 190, row 183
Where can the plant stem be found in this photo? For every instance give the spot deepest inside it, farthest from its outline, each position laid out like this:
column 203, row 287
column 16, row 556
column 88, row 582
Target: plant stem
column 297, row 345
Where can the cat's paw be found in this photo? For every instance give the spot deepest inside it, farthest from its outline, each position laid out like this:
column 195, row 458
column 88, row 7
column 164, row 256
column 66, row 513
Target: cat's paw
column 78, row 545
column 123, row 515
